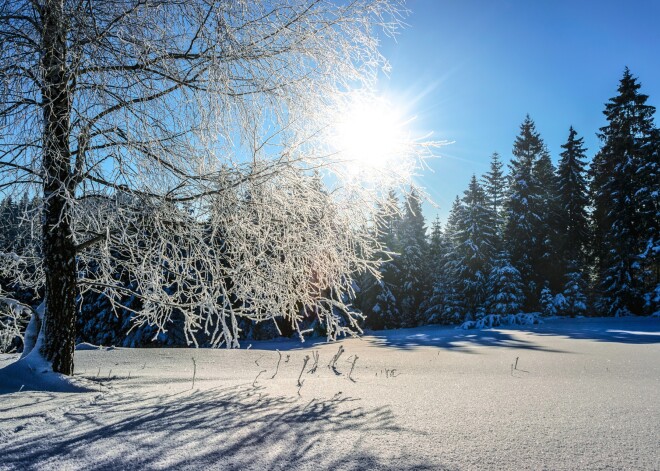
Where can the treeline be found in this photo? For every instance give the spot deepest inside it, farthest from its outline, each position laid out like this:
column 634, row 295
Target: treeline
column 571, row 240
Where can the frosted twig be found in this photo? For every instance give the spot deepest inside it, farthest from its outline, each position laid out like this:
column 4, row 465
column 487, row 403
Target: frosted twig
column 333, row 362
column 352, row 367
column 277, row 368
column 306, row 359
column 301, row 382
column 315, row 355
column 254, row 383
column 194, row 373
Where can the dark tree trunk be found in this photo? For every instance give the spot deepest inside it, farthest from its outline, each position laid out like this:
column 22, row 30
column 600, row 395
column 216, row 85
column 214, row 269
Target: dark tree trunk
column 59, row 250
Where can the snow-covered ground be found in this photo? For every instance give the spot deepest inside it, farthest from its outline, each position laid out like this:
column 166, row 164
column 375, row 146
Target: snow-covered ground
column 585, row 394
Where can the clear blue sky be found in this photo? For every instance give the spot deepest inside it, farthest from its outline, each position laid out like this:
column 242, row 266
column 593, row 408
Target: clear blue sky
column 470, row 70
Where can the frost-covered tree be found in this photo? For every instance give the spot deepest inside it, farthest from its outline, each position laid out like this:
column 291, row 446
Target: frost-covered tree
column 505, row 288
column 626, row 194
column 525, row 209
column 375, row 298
column 574, row 294
column 495, row 188
column 475, row 245
column 572, row 217
column 413, row 260
column 384, row 312
column 133, row 119
column 546, row 265
column 437, row 248
column 452, row 302
column 16, row 219
column 547, row 302
column 434, row 305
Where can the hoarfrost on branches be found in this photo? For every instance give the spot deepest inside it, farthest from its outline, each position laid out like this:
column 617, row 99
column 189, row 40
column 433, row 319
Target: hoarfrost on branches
column 175, row 145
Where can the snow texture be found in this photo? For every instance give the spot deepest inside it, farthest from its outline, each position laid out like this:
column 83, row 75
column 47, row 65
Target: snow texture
column 567, row 394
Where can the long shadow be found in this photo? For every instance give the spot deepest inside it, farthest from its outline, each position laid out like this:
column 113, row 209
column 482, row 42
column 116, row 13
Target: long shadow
column 451, row 338
column 222, row 428
column 619, row 330
column 628, row 330
column 444, row 337
column 633, row 330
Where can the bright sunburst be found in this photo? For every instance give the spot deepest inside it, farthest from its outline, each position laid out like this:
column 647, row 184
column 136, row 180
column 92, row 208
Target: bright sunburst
column 371, row 135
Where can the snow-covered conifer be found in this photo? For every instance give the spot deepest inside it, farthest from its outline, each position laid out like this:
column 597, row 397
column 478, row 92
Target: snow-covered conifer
column 574, row 294
column 475, row 245
column 625, row 190
column 525, row 209
column 495, row 188
column 505, row 288
column 412, row 261
column 547, row 302
column 572, row 218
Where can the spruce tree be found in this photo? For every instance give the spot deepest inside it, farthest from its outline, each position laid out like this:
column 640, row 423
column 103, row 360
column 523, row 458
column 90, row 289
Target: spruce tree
column 435, row 306
column 524, row 210
column 475, row 245
column 495, row 188
column 412, row 260
column 573, row 222
column 436, row 250
column 546, row 265
column 575, row 299
column 625, row 191
column 375, row 298
column 505, row 287
column 453, row 301
column 547, row 302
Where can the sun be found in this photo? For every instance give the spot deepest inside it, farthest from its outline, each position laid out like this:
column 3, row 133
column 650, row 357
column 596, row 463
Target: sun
column 371, row 135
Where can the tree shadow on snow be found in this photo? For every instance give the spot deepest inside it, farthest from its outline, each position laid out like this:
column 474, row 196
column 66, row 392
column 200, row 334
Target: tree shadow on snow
column 638, row 330
column 629, row 330
column 222, row 428
column 452, row 339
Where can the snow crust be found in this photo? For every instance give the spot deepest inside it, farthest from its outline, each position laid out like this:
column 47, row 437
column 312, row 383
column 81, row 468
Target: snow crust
column 566, row 394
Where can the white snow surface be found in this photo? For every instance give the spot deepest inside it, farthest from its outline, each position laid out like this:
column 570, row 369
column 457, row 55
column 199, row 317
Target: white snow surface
column 585, row 394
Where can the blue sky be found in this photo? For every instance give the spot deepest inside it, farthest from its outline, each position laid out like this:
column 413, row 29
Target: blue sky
column 470, row 70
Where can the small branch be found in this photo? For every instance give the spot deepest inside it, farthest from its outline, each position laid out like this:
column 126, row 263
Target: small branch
column 277, row 368
column 353, row 367
column 315, row 355
column 301, row 382
column 88, row 243
column 333, row 363
column 194, row 373
column 254, row 383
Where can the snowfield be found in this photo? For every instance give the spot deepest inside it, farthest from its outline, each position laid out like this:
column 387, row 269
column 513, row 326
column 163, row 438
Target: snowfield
column 584, row 394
